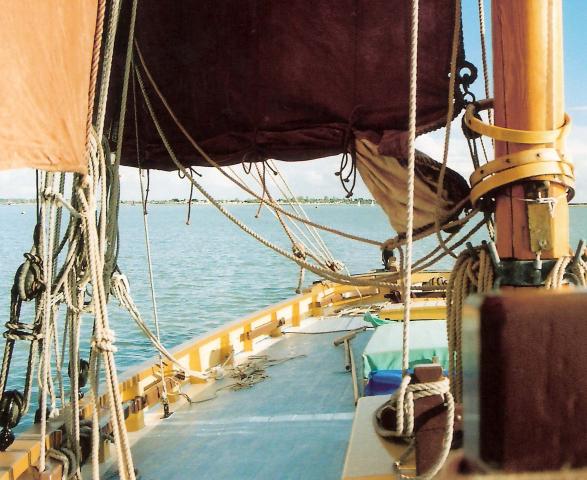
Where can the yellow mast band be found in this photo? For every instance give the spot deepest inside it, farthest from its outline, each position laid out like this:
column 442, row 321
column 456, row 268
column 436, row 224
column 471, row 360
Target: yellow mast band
column 509, row 134
column 555, row 171
column 525, row 157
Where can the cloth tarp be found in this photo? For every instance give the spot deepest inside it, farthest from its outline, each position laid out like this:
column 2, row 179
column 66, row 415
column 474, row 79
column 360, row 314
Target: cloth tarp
column 46, row 55
column 252, row 79
column 427, row 341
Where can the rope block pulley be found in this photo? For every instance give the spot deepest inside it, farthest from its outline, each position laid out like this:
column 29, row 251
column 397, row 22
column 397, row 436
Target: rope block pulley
column 83, row 372
column 11, row 410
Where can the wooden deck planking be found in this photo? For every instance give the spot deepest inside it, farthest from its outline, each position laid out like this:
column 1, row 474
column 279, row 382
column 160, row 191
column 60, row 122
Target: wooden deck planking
column 294, row 425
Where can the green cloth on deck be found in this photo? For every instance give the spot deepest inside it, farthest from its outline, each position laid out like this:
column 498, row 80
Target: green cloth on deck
column 375, row 320
column 427, row 340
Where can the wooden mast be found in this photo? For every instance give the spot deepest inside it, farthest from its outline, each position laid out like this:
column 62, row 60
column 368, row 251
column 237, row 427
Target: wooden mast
column 529, row 95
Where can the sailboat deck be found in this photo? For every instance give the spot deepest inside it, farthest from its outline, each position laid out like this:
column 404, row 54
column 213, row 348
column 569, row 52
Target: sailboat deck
column 295, row 424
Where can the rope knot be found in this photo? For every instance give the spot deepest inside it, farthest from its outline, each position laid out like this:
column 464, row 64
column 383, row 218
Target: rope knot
column 335, row 265
column 58, row 198
column 299, row 251
column 48, row 193
column 402, row 403
column 420, row 390
column 16, row 330
column 119, row 283
column 104, row 341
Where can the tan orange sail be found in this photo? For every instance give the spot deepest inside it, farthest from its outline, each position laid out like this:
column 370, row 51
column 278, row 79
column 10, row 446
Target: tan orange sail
column 46, row 55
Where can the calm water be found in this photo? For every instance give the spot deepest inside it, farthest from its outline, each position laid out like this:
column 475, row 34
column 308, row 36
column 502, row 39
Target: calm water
column 207, row 273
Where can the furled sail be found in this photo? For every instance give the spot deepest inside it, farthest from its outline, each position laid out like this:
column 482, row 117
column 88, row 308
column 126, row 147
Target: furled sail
column 250, row 80
column 386, row 177
column 46, row 56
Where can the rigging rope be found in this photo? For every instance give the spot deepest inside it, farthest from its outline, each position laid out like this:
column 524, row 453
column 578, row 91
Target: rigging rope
column 241, row 185
column 103, row 339
column 164, row 399
column 95, row 250
column 46, row 251
column 121, row 290
column 298, row 248
column 402, row 401
column 449, row 118
column 407, row 266
column 481, row 9
column 322, row 256
column 326, row 273
column 297, row 207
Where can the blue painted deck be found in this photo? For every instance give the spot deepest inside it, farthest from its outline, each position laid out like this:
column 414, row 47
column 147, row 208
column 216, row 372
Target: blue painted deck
column 294, row 425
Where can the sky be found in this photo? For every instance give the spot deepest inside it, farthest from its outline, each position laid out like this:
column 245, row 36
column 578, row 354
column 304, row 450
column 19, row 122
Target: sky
column 316, row 178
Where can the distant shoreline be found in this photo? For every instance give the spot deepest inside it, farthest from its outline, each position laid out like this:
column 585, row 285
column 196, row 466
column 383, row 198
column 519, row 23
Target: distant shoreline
column 175, row 201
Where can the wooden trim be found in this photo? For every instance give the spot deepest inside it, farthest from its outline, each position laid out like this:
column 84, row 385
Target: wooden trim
column 264, row 329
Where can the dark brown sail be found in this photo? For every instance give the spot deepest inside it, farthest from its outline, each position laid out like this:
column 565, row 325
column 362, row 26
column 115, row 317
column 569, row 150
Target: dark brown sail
column 291, row 80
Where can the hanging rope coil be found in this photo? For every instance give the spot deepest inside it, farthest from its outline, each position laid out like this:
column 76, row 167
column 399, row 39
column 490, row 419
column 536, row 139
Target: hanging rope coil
column 473, row 273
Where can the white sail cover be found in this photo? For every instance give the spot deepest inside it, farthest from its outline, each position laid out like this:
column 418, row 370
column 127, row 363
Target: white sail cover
column 45, row 57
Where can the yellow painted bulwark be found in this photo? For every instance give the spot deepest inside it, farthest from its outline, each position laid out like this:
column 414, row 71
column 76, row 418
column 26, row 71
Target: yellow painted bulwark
column 199, row 354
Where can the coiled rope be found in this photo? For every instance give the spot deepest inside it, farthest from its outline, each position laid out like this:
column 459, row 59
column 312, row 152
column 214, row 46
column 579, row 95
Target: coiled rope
column 472, row 273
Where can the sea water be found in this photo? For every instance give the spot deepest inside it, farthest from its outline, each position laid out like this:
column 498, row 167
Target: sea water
column 206, row 273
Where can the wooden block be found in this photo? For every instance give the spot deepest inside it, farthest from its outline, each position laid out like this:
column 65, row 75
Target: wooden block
column 525, row 388
column 429, row 419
